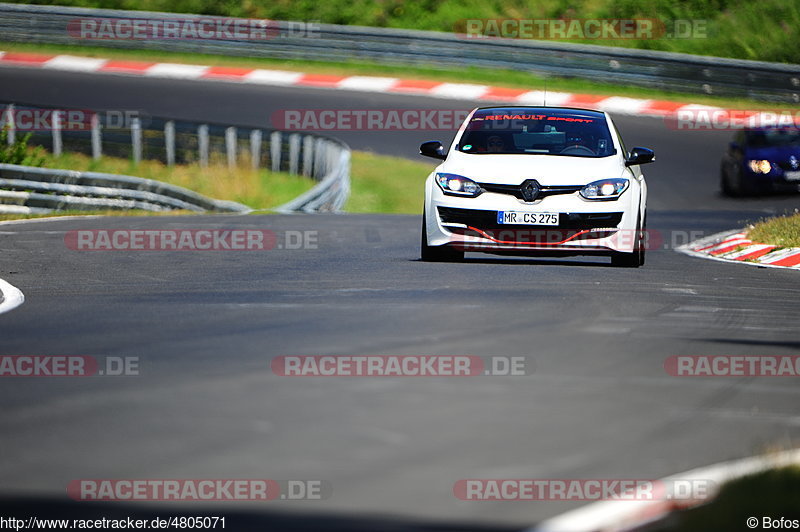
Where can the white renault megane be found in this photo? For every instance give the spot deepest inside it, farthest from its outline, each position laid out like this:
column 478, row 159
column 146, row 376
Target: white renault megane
column 536, row 181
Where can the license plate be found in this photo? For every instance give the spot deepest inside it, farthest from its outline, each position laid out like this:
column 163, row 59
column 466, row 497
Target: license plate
column 792, row 176
column 527, row 218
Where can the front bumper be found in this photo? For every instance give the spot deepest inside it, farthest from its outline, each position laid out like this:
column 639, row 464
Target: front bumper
column 584, row 227
column 774, row 182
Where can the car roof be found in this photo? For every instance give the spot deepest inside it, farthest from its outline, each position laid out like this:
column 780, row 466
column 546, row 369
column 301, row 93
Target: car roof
column 511, row 109
column 771, row 128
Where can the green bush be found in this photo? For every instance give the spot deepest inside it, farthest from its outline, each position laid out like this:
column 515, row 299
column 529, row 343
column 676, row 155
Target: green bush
column 18, row 152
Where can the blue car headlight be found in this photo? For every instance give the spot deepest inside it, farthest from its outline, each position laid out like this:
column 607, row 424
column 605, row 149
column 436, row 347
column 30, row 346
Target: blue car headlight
column 457, row 185
column 605, row 189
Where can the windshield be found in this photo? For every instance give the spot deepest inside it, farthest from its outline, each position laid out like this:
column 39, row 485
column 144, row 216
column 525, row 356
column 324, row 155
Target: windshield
column 765, row 138
column 537, row 131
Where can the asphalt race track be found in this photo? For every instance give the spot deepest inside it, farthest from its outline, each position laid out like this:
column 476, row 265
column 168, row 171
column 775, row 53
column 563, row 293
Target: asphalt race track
column 205, row 326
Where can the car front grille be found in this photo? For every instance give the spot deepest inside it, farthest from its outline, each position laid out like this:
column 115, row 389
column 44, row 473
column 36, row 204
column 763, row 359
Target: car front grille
column 787, row 166
column 516, row 190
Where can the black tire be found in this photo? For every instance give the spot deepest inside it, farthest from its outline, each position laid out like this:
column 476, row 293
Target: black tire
column 732, row 186
column 636, row 258
column 437, row 253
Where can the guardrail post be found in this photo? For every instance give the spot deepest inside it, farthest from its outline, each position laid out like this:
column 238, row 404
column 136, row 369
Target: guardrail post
column 57, row 146
column 275, row 140
column 202, row 138
column 97, row 144
column 136, row 138
column 308, row 154
column 10, row 124
column 230, row 146
column 333, row 156
column 255, row 148
column 169, row 141
column 320, row 149
column 294, row 153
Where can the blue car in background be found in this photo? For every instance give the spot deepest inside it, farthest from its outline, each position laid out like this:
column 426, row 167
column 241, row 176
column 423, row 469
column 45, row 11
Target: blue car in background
column 762, row 160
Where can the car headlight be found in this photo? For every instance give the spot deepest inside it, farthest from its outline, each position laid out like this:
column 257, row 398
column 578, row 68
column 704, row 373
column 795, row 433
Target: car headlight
column 605, row 189
column 759, row 167
column 456, row 185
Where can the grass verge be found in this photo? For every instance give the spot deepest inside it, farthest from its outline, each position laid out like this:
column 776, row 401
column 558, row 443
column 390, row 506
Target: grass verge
column 382, row 184
column 259, row 189
column 772, row 494
column 783, row 232
column 504, row 78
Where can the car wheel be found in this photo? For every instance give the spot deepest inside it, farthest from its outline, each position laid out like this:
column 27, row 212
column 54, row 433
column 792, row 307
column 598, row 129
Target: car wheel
column 724, row 184
column 732, row 186
column 437, row 253
column 636, row 258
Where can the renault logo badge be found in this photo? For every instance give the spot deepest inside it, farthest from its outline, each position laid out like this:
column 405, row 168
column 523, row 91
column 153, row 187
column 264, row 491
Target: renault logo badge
column 530, row 189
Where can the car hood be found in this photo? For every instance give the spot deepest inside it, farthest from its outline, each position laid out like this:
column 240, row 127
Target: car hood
column 549, row 170
column 773, row 153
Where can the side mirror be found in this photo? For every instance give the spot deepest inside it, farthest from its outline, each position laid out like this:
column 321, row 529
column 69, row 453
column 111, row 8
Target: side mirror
column 640, row 156
column 432, row 148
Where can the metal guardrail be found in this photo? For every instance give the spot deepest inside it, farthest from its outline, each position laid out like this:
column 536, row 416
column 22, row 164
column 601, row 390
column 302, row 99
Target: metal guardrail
column 30, row 190
column 170, row 141
column 329, row 195
column 671, row 71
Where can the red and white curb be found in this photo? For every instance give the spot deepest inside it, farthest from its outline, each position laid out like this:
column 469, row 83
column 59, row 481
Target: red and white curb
column 734, row 246
column 10, row 297
column 620, row 516
column 389, row 85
